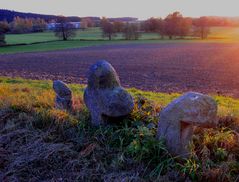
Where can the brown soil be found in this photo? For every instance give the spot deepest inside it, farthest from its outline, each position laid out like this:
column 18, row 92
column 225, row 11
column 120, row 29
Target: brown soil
column 168, row 67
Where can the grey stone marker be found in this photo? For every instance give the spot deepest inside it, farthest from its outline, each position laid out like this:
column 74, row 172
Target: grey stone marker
column 63, row 95
column 179, row 119
column 104, row 96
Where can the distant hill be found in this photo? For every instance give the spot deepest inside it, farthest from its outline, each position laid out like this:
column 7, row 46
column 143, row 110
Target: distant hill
column 124, row 19
column 9, row 16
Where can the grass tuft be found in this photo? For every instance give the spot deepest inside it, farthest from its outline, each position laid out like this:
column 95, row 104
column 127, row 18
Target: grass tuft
column 41, row 143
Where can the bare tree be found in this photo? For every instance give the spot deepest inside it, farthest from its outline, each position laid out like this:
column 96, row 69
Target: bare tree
column 4, row 27
column 131, row 31
column 86, row 23
column 201, row 27
column 118, row 26
column 161, row 28
column 151, row 25
column 64, row 29
column 185, row 26
column 107, row 28
column 177, row 25
column 156, row 25
column 172, row 24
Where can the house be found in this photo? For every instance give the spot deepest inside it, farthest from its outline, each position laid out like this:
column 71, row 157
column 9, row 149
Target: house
column 52, row 26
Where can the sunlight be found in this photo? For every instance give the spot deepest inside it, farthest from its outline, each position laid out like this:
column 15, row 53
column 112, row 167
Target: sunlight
column 225, row 34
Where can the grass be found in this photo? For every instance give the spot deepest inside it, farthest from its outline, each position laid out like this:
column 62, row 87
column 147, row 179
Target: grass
column 61, row 45
column 30, row 38
column 96, row 34
column 39, row 142
column 48, row 46
column 230, row 34
column 92, row 37
column 88, row 34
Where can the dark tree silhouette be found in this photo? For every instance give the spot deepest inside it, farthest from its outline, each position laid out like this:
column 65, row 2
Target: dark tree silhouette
column 151, row 25
column 161, row 28
column 172, row 23
column 118, row 26
column 107, row 28
column 156, row 25
column 64, row 29
column 201, row 28
column 131, row 31
column 177, row 25
column 4, row 27
column 185, row 27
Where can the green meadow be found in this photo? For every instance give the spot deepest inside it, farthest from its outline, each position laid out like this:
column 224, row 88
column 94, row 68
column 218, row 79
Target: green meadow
column 88, row 34
column 46, row 41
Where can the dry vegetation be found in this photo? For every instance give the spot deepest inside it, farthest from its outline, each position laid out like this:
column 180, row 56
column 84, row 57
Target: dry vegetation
column 38, row 142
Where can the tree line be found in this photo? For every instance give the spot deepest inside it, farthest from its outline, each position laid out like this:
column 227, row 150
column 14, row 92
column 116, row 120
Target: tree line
column 21, row 25
column 173, row 26
column 63, row 27
column 25, row 25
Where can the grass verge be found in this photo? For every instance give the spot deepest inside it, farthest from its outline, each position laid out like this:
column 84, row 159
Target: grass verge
column 39, row 142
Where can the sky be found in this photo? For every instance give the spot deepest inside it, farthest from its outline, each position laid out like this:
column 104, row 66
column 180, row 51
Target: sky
column 141, row 9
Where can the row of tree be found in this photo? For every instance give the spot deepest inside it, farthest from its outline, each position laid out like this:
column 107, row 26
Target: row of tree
column 21, row 25
column 25, row 25
column 110, row 29
column 28, row 25
column 65, row 31
column 174, row 25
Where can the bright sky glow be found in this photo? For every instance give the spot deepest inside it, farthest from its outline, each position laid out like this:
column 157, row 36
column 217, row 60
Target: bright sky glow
column 121, row 8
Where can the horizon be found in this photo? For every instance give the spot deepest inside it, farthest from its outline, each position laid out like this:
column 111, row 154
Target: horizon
column 107, row 8
column 116, row 16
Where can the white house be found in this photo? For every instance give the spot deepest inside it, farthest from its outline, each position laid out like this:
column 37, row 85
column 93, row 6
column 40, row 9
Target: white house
column 52, row 26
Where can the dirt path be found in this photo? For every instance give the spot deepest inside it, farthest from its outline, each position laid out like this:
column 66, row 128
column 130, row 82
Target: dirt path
column 169, row 67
